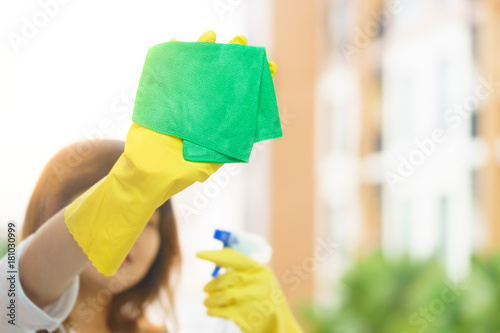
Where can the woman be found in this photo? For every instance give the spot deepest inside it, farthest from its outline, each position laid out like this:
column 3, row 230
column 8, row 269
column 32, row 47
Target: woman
column 107, row 304
column 93, row 302
column 91, row 262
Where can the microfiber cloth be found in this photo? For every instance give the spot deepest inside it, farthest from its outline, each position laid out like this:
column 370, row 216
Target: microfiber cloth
column 218, row 98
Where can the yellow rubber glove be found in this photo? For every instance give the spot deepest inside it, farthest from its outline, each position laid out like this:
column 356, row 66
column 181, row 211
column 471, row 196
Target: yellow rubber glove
column 210, row 37
column 248, row 293
column 107, row 219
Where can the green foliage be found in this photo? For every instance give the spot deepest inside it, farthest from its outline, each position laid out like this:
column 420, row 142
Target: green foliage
column 403, row 296
column 3, row 247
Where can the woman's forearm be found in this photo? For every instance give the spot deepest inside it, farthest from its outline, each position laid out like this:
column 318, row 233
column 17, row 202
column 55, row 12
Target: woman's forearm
column 50, row 261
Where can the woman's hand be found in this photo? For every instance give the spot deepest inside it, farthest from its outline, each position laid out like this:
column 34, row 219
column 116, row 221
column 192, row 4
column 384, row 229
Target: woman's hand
column 154, row 162
column 248, row 293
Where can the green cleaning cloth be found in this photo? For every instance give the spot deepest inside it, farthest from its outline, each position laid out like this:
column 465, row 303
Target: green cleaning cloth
column 218, row 98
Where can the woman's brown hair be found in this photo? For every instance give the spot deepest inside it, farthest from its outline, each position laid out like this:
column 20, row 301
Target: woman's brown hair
column 73, row 170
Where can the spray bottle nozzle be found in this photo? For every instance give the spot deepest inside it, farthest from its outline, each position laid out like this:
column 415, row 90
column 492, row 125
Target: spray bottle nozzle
column 224, row 237
column 251, row 245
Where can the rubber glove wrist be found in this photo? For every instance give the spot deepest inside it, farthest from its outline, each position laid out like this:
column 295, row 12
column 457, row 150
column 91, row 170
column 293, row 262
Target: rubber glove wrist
column 154, row 165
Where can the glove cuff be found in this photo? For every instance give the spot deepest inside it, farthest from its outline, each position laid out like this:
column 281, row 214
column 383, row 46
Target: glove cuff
column 107, row 219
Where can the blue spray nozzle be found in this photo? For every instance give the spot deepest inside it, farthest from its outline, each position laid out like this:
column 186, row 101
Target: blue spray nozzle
column 253, row 246
column 223, row 236
column 216, row 271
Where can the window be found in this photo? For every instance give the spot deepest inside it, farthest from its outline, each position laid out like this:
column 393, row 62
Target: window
column 443, row 98
column 443, row 228
column 474, row 124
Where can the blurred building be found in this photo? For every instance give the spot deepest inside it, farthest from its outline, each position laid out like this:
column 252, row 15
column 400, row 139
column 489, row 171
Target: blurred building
column 407, row 131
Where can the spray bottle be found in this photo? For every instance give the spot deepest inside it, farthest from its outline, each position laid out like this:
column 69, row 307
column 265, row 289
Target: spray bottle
column 254, row 246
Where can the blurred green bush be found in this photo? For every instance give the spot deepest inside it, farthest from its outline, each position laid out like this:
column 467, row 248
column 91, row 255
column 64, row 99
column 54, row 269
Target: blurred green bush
column 380, row 295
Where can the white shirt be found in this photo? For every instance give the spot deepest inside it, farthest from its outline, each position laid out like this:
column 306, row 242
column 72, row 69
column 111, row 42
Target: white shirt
column 28, row 316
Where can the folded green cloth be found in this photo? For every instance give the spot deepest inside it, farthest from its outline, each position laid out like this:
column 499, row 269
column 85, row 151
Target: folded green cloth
column 218, row 98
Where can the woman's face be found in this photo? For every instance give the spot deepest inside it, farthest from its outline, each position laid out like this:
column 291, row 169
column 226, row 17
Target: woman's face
column 135, row 266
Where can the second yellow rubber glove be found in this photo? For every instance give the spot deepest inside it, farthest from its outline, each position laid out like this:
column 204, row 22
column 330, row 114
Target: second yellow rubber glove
column 248, row 293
